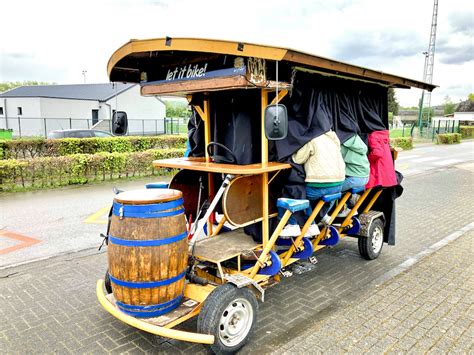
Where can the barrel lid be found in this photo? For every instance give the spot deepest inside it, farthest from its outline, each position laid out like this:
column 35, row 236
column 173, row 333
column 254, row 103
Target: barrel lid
column 147, row 196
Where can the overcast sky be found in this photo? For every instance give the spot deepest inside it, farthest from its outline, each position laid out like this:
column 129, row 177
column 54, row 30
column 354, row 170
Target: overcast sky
column 55, row 41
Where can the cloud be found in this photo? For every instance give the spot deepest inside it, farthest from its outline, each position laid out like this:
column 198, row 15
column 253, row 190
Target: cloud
column 456, row 55
column 380, row 44
column 462, row 22
column 455, row 49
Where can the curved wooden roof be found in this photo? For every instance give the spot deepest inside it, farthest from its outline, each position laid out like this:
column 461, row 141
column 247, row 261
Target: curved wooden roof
column 132, row 51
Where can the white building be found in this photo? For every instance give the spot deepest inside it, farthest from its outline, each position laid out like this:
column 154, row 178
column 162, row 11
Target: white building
column 37, row 110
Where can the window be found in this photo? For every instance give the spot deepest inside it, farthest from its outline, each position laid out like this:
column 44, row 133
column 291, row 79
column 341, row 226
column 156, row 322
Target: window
column 1, row 110
column 19, row 111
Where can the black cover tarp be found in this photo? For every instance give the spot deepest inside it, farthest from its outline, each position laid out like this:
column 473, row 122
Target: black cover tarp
column 315, row 105
column 235, row 123
column 318, row 104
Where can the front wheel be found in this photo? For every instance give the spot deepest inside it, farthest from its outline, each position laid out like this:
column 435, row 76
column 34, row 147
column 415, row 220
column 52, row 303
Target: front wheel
column 370, row 247
column 230, row 314
column 108, row 284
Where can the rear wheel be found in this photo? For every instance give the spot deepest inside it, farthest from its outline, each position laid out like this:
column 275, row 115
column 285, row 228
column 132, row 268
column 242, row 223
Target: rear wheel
column 230, row 314
column 108, row 285
column 370, row 247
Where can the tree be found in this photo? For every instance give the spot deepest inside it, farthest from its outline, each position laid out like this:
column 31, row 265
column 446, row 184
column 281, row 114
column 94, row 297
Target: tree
column 393, row 105
column 8, row 85
column 471, row 96
column 175, row 109
column 449, row 106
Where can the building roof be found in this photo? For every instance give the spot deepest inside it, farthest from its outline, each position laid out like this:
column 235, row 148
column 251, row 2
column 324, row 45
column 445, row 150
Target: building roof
column 94, row 92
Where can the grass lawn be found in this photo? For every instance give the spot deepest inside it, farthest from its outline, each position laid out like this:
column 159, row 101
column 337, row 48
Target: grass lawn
column 396, row 133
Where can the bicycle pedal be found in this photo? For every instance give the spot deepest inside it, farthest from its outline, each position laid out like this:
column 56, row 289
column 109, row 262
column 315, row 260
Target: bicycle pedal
column 313, row 260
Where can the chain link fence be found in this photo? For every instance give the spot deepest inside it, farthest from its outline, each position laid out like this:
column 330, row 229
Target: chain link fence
column 42, row 126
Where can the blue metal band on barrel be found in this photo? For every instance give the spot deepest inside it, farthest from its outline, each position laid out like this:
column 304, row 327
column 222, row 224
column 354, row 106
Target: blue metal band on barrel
column 148, row 211
column 146, row 243
column 147, row 314
column 150, row 307
column 147, row 284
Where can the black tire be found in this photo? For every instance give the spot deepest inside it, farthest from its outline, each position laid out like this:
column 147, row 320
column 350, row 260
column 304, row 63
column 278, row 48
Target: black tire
column 230, row 314
column 370, row 247
column 108, row 285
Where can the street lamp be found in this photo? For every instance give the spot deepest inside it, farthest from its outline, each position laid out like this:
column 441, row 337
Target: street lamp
column 84, row 72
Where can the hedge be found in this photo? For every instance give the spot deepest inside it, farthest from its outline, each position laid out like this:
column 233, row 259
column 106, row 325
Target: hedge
column 79, row 168
column 406, row 143
column 40, row 147
column 449, row 138
column 466, row 131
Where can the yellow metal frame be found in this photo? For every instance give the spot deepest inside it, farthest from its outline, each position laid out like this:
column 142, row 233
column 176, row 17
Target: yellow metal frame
column 354, row 209
column 197, row 292
column 147, row 327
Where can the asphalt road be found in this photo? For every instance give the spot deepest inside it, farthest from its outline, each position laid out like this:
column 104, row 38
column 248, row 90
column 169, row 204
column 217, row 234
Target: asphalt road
column 42, row 224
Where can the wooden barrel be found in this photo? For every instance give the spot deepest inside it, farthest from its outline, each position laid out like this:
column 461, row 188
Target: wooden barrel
column 148, row 251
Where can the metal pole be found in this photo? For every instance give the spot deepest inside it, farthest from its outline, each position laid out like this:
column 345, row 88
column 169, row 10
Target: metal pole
column 403, row 129
column 143, row 127
column 156, row 127
column 421, row 110
column 70, row 122
column 19, row 126
column 45, row 130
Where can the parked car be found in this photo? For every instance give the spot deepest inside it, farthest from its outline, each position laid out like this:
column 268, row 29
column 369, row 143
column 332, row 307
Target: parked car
column 79, row 133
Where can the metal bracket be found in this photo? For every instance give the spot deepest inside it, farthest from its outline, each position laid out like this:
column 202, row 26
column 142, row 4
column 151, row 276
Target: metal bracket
column 366, row 220
column 240, row 281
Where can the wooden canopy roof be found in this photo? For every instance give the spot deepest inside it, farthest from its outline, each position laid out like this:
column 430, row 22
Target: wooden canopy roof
column 136, row 54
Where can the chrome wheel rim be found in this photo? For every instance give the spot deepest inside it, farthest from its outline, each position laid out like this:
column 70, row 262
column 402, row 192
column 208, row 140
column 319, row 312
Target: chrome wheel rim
column 235, row 322
column 377, row 239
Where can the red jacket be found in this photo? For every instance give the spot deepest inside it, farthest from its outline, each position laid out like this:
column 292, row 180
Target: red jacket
column 382, row 171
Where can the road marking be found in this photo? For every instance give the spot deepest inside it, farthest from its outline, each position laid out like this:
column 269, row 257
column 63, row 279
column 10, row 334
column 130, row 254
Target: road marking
column 95, row 218
column 405, row 157
column 447, row 162
column 402, row 166
column 410, row 172
column 24, row 241
column 421, row 160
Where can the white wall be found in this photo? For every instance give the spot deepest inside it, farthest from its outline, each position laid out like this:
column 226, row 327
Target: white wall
column 140, row 108
column 68, row 113
column 66, row 108
column 29, row 123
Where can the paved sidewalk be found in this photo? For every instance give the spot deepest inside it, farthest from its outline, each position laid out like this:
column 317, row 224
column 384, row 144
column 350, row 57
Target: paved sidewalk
column 428, row 308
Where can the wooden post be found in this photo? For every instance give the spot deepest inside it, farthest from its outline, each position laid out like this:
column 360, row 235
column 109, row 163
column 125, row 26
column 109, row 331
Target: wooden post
column 265, row 226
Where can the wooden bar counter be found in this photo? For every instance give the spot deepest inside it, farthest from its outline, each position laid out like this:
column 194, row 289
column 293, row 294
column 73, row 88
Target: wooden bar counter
column 200, row 164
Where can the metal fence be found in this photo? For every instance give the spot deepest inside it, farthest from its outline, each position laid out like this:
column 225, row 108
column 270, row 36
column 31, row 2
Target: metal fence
column 41, row 126
column 428, row 131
